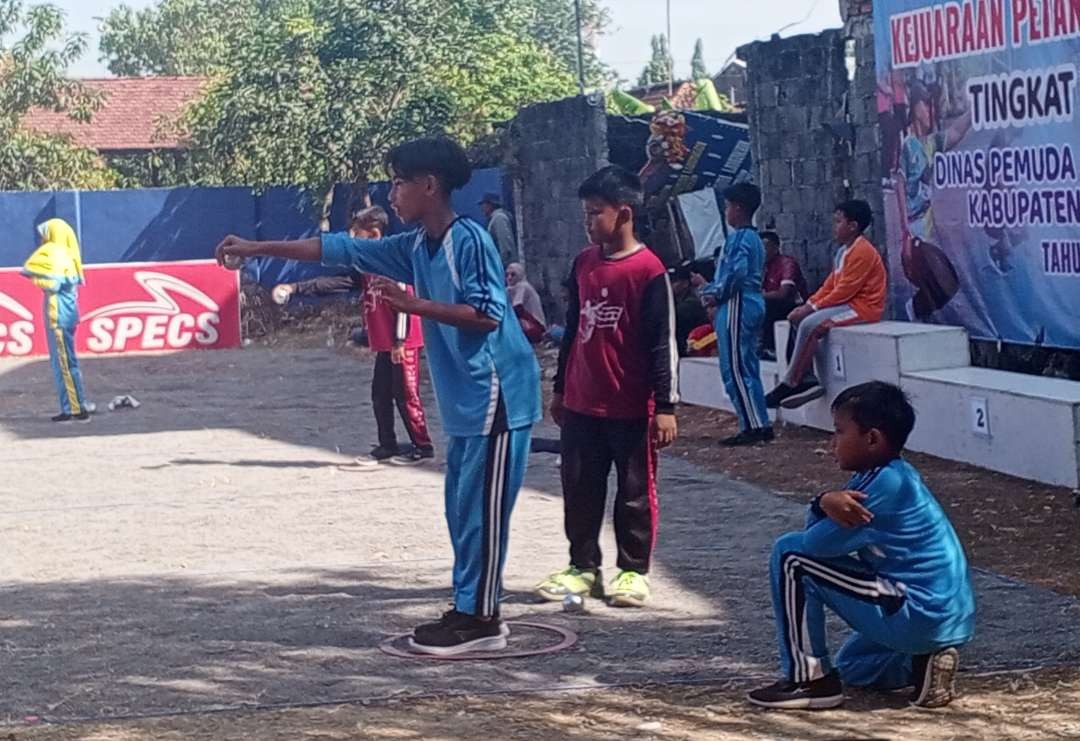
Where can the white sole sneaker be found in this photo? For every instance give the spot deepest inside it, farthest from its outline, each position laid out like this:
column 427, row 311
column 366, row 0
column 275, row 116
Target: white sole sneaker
column 797, row 400
column 627, row 600
column 938, row 686
column 802, row 703
column 487, row 643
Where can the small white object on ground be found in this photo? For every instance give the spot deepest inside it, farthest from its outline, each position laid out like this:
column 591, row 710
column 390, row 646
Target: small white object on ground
column 124, row 402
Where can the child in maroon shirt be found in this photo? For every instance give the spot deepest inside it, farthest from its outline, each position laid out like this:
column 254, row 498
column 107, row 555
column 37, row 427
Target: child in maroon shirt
column 396, row 340
column 615, row 393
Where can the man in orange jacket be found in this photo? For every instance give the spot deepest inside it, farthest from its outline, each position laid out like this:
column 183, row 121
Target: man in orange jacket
column 854, row 293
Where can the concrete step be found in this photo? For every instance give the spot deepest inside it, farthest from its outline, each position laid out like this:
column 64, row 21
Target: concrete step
column 700, row 382
column 873, row 352
column 1027, row 426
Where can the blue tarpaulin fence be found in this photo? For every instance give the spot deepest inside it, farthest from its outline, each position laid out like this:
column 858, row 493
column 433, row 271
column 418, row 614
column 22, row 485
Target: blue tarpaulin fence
column 170, row 224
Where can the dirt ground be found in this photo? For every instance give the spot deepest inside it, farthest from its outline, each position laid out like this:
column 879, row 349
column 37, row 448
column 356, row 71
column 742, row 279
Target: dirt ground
column 1023, row 529
column 1036, row 705
column 162, row 579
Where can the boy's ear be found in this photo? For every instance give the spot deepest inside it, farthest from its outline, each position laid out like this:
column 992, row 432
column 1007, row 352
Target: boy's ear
column 876, row 437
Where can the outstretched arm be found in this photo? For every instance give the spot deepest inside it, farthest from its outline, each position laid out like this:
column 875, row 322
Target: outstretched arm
column 389, row 256
column 304, row 250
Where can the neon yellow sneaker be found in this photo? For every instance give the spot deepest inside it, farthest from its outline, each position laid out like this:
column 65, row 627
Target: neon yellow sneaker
column 629, row 589
column 571, row 580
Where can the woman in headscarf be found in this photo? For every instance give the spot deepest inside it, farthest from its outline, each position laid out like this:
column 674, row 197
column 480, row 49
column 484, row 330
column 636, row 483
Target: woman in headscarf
column 526, row 302
column 56, row 268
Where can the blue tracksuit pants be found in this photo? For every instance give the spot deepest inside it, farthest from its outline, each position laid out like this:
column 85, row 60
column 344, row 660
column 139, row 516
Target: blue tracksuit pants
column 483, row 476
column 739, row 323
column 60, row 327
column 878, row 654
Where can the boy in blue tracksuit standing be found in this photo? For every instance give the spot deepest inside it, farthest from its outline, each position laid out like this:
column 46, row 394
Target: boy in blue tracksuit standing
column 56, row 268
column 883, row 556
column 485, row 374
column 740, row 314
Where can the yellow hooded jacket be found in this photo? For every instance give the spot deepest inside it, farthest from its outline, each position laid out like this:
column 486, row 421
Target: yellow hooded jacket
column 56, row 268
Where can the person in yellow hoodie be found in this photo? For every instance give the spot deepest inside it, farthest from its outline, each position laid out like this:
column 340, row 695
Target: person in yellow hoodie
column 56, row 268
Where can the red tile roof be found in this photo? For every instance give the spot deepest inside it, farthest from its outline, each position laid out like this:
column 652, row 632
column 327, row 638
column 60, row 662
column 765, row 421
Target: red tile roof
column 130, row 117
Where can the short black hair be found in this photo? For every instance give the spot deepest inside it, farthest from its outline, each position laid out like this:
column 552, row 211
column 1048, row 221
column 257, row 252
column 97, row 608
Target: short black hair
column 615, row 186
column 438, row 156
column 769, row 236
column 745, row 195
column 857, row 210
column 375, row 216
column 879, row 406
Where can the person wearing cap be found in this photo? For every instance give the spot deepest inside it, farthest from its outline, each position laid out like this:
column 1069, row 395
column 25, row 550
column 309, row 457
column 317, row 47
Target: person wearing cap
column 500, row 227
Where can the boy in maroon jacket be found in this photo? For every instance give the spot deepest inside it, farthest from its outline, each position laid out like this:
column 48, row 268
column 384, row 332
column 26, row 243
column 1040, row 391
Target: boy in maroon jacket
column 396, row 340
column 615, row 393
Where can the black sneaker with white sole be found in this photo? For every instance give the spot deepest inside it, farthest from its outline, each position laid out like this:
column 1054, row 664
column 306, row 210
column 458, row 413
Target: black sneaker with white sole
column 383, row 453
column 818, row 694
column 802, row 394
column 777, row 395
column 457, row 633
column 412, row 456
column 935, row 678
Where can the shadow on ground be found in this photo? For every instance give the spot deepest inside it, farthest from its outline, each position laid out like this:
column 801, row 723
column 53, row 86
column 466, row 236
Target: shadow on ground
column 252, row 629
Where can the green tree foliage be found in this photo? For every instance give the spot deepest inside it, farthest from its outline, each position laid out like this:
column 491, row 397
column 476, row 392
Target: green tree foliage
column 175, row 37
column 659, row 67
column 318, row 92
column 32, row 75
column 698, row 69
column 194, row 37
column 552, row 24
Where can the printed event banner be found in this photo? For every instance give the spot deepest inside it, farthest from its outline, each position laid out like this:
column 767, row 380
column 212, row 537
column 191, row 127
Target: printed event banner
column 976, row 101
column 130, row 307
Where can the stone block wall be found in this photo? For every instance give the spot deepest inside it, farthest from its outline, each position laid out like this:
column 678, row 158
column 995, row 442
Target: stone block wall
column 865, row 171
column 796, row 87
column 814, row 134
column 552, row 148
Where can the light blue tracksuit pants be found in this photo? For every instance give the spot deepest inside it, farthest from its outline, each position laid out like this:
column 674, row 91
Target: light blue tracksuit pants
column 483, row 476
column 739, row 322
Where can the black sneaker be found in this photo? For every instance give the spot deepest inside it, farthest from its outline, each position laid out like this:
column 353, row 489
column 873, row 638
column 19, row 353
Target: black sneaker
column 749, row 437
column 61, row 418
column 457, row 633
column 83, row 416
column 935, row 678
column 384, row 452
column 819, row 694
column 804, row 393
column 777, row 395
column 412, row 456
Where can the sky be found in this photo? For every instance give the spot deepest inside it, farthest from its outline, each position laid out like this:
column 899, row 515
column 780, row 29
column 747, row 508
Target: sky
column 721, row 24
